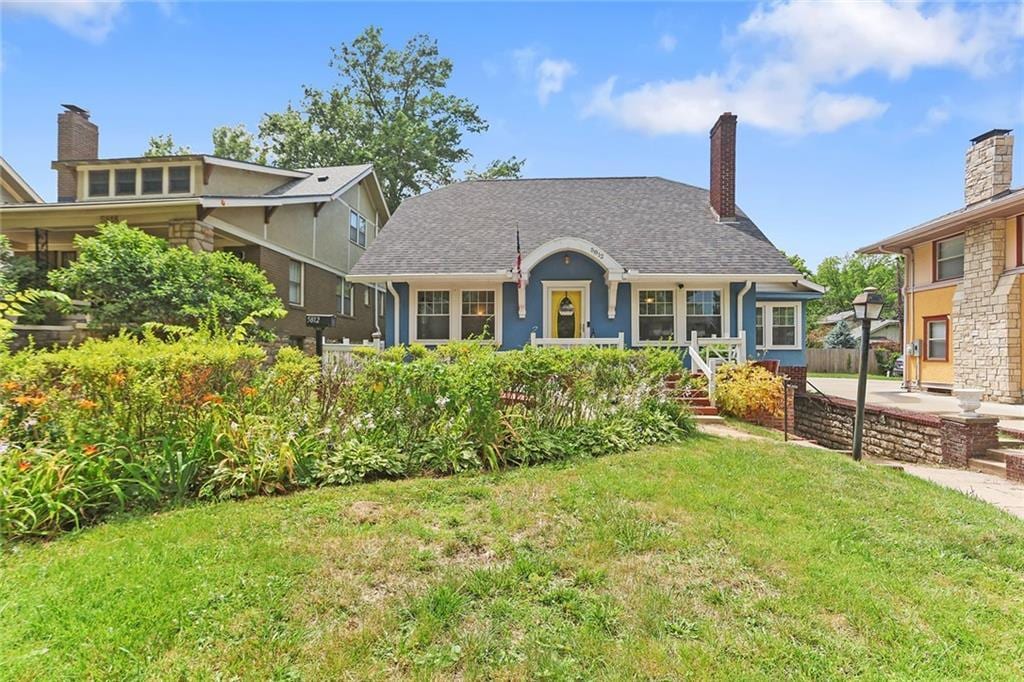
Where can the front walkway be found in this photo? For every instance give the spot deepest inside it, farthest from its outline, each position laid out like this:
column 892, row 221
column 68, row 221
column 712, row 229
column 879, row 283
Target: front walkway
column 995, row 490
column 891, row 394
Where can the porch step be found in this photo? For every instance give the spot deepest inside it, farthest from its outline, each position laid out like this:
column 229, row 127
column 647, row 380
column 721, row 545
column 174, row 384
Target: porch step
column 987, row 466
column 708, row 419
column 704, row 410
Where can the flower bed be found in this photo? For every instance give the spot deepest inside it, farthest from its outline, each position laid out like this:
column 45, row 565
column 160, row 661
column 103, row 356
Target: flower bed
column 144, row 424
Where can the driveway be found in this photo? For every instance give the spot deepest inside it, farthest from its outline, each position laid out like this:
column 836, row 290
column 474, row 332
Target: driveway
column 890, row 394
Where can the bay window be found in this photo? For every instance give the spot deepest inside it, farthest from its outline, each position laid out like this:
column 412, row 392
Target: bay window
column 656, row 315
column 433, row 315
column 704, row 313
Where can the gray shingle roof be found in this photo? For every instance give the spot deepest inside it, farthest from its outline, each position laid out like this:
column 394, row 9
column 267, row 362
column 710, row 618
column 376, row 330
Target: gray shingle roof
column 326, row 180
column 650, row 225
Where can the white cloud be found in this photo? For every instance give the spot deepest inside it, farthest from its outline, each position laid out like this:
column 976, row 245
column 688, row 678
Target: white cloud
column 812, row 48
column 90, row 20
column 551, row 77
column 549, row 74
column 935, row 117
column 667, row 42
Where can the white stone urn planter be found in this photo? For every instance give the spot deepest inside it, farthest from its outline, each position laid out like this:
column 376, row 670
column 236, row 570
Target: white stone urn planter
column 969, row 399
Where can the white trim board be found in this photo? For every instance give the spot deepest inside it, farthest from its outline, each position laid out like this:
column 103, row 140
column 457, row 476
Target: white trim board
column 769, row 311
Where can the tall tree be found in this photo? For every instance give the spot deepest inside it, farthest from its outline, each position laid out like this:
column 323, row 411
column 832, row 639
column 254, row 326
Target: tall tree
column 163, row 145
column 236, row 142
column 390, row 108
column 846, row 276
column 500, row 168
column 799, row 263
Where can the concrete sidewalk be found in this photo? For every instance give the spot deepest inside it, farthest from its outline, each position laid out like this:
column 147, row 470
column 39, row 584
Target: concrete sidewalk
column 891, row 394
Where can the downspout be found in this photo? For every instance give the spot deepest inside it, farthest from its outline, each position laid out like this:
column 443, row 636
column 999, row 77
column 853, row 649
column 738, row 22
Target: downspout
column 908, row 315
column 394, row 294
column 739, row 314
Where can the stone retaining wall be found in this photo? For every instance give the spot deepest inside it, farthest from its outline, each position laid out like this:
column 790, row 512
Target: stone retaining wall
column 895, row 434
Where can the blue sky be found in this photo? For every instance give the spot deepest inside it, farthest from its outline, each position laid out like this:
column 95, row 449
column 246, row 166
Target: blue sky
column 854, row 117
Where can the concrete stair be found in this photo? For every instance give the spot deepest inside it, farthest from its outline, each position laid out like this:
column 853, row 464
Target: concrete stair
column 992, row 462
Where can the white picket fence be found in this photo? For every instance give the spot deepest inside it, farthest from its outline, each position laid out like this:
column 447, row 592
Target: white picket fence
column 336, row 354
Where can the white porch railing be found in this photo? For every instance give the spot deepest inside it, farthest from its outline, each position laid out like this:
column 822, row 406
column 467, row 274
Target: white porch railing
column 341, row 353
column 601, row 342
column 706, row 354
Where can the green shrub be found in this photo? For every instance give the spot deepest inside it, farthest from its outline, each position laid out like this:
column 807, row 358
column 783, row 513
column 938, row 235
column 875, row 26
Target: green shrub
column 136, row 422
column 131, row 278
column 748, row 390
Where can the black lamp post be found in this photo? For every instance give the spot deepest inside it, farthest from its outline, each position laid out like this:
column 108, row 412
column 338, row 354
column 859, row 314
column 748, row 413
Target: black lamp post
column 867, row 307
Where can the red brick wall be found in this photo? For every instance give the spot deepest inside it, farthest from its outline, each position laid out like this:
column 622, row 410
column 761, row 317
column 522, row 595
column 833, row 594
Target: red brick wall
column 77, row 138
column 320, row 297
column 723, row 166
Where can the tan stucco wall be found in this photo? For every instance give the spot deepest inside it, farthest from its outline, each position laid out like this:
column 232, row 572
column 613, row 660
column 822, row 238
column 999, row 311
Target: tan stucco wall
column 930, row 303
column 235, row 181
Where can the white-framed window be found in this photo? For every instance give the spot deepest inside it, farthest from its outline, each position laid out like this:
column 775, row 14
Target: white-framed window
column 99, row 183
column 438, row 315
column 356, row 229
column 295, row 282
column 949, row 258
column 433, row 315
column 343, row 297
column 777, row 326
column 704, row 312
column 179, row 179
column 478, row 309
column 656, row 319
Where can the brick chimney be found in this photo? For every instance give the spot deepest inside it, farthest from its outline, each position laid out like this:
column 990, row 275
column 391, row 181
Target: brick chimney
column 723, row 167
column 989, row 167
column 77, row 138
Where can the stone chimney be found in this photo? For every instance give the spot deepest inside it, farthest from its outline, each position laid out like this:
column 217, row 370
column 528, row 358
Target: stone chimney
column 77, row 138
column 723, row 167
column 989, row 167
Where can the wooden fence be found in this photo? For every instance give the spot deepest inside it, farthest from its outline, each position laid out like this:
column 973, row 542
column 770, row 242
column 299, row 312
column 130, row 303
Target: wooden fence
column 839, row 361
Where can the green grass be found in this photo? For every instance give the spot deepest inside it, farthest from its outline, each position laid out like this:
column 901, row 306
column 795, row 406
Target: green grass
column 714, row 558
column 834, row 375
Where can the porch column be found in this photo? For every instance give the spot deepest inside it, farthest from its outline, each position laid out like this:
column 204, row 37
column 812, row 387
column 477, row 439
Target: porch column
column 191, row 233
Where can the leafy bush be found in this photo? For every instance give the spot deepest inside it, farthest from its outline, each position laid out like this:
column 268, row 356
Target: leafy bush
column 748, row 390
column 131, row 278
column 886, row 353
column 137, row 422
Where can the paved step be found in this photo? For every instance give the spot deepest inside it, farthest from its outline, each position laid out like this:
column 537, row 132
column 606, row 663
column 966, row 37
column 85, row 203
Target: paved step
column 707, row 411
column 708, row 419
column 997, row 454
column 987, row 466
column 704, row 402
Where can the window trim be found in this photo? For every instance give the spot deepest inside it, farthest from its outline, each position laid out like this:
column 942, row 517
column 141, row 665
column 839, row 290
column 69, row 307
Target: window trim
column 581, row 285
column 935, row 257
column 723, row 299
column 191, row 178
column 142, row 183
column 136, row 177
column 928, row 320
column 768, row 318
column 462, row 292
column 637, row 341
column 454, row 311
column 302, row 283
column 360, row 228
column 343, row 281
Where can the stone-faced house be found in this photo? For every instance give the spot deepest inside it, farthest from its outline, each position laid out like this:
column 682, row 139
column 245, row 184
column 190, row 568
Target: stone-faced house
column 962, row 294
column 304, row 228
column 636, row 261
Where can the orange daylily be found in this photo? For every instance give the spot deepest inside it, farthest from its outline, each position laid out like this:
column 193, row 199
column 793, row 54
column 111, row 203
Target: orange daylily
column 24, row 466
column 11, row 385
column 248, row 391
column 90, row 450
column 117, row 378
column 87, row 404
column 211, row 398
column 29, row 400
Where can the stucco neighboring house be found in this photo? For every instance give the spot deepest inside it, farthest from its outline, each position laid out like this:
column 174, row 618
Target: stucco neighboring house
column 305, row 228
column 646, row 260
column 13, row 188
column 962, row 295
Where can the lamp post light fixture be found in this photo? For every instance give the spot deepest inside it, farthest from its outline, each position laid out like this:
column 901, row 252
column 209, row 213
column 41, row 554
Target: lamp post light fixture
column 867, row 307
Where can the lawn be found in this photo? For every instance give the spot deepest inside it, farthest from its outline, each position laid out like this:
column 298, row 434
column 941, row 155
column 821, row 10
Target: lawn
column 714, row 558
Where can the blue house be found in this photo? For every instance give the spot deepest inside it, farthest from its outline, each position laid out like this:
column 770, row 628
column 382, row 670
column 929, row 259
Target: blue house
column 630, row 261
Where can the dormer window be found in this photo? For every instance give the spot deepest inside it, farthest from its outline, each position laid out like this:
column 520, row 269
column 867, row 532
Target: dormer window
column 179, row 180
column 152, row 180
column 124, row 182
column 99, row 183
